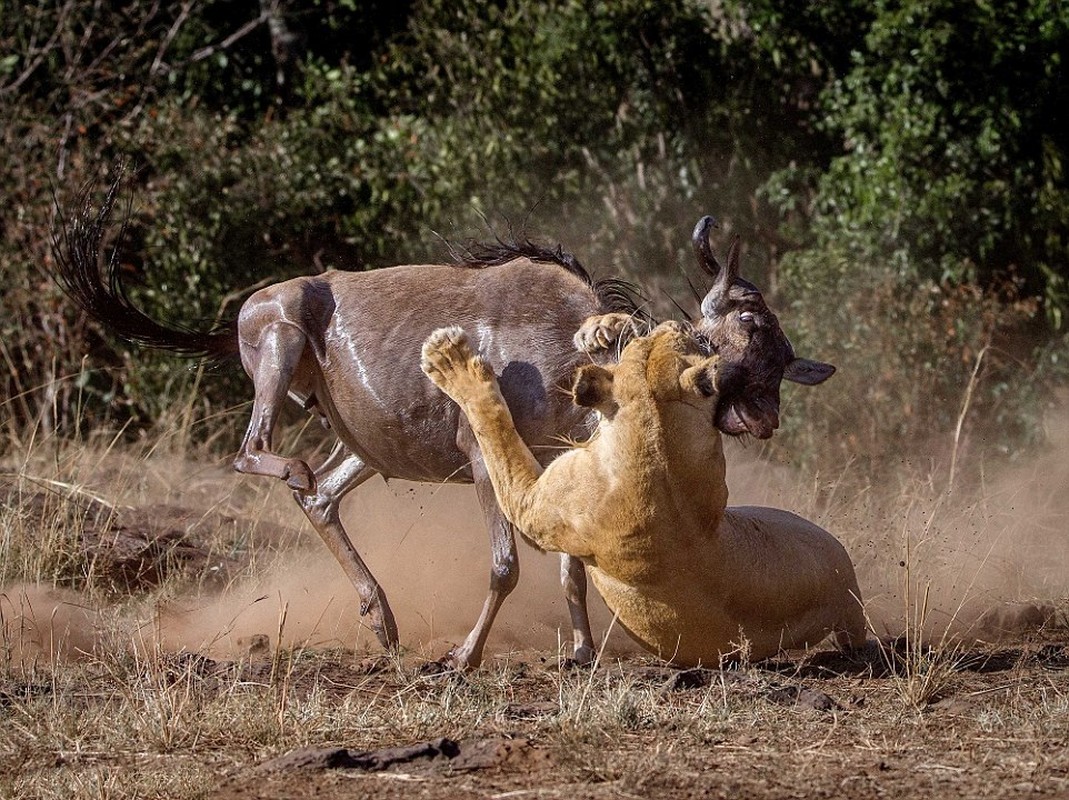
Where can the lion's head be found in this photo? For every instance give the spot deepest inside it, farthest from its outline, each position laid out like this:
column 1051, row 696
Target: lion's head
column 663, row 368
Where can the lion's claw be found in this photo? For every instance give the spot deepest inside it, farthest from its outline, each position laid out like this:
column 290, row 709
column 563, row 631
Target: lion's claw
column 448, row 360
column 604, row 332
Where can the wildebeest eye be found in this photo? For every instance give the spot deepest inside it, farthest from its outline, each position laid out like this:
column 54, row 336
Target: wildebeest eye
column 748, row 319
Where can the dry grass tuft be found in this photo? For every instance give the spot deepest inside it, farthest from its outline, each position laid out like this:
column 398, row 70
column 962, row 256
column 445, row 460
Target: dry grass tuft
column 101, row 697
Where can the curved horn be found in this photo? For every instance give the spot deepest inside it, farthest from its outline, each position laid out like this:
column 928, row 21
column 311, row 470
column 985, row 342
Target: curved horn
column 702, row 249
column 733, row 257
column 727, row 276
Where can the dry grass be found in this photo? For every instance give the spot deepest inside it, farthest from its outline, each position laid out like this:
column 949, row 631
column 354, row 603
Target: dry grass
column 96, row 702
column 161, row 725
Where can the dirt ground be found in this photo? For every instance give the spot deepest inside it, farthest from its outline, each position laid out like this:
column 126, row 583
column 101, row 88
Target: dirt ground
column 337, row 724
column 803, row 730
column 117, row 687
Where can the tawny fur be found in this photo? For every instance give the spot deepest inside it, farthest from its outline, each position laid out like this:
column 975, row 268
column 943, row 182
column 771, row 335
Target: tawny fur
column 644, row 505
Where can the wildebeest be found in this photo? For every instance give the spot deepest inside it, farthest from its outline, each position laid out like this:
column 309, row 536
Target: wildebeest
column 346, row 346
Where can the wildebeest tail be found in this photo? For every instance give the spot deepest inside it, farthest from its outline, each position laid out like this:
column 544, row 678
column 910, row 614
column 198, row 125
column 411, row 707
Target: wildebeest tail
column 97, row 285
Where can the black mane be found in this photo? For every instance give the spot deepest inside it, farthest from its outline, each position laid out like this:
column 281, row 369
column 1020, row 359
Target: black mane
column 614, row 294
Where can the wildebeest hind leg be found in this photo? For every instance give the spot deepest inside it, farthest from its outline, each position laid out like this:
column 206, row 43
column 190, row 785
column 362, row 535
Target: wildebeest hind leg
column 573, row 579
column 272, row 363
column 338, row 475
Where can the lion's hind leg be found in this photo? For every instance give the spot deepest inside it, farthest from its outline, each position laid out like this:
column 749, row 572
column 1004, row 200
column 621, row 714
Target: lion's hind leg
column 851, row 634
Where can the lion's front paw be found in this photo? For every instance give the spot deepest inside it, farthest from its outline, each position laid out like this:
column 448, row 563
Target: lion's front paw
column 603, row 332
column 449, row 362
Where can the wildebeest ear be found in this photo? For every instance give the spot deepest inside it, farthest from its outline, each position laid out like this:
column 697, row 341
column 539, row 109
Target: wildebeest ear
column 808, row 372
column 593, row 388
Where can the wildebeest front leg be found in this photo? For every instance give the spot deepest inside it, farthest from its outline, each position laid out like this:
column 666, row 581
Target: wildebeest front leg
column 338, row 475
column 504, row 564
column 271, row 363
column 505, row 574
column 513, row 469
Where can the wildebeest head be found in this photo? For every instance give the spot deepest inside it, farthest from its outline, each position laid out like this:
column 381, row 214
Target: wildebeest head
column 755, row 354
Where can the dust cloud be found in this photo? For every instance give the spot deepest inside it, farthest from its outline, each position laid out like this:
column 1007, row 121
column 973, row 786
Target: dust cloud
column 941, row 561
column 427, row 546
column 41, row 625
column 924, row 556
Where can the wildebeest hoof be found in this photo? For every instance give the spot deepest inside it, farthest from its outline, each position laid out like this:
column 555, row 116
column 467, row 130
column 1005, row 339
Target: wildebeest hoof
column 431, row 668
column 381, row 620
column 584, row 656
column 375, row 665
column 386, row 634
column 300, row 478
column 444, row 666
column 569, row 664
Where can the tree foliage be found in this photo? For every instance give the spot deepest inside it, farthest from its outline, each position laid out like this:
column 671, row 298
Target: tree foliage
column 953, row 121
column 900, row 150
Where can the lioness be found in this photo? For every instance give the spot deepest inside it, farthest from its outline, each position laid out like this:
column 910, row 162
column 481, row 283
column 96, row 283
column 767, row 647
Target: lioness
column 644, row 505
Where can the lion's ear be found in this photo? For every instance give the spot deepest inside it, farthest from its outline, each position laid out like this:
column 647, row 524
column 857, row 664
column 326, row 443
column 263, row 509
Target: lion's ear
column 701, row 378
column 593, row 389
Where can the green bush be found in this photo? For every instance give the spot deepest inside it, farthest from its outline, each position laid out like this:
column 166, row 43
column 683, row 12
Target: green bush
column 927, row 372
column 952, row 118
column 895, row 170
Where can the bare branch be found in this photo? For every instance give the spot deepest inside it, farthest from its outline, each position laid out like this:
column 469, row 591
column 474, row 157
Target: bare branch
column 158, row 60
column 35, row 54
column 183, row 15
column 240, row 33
